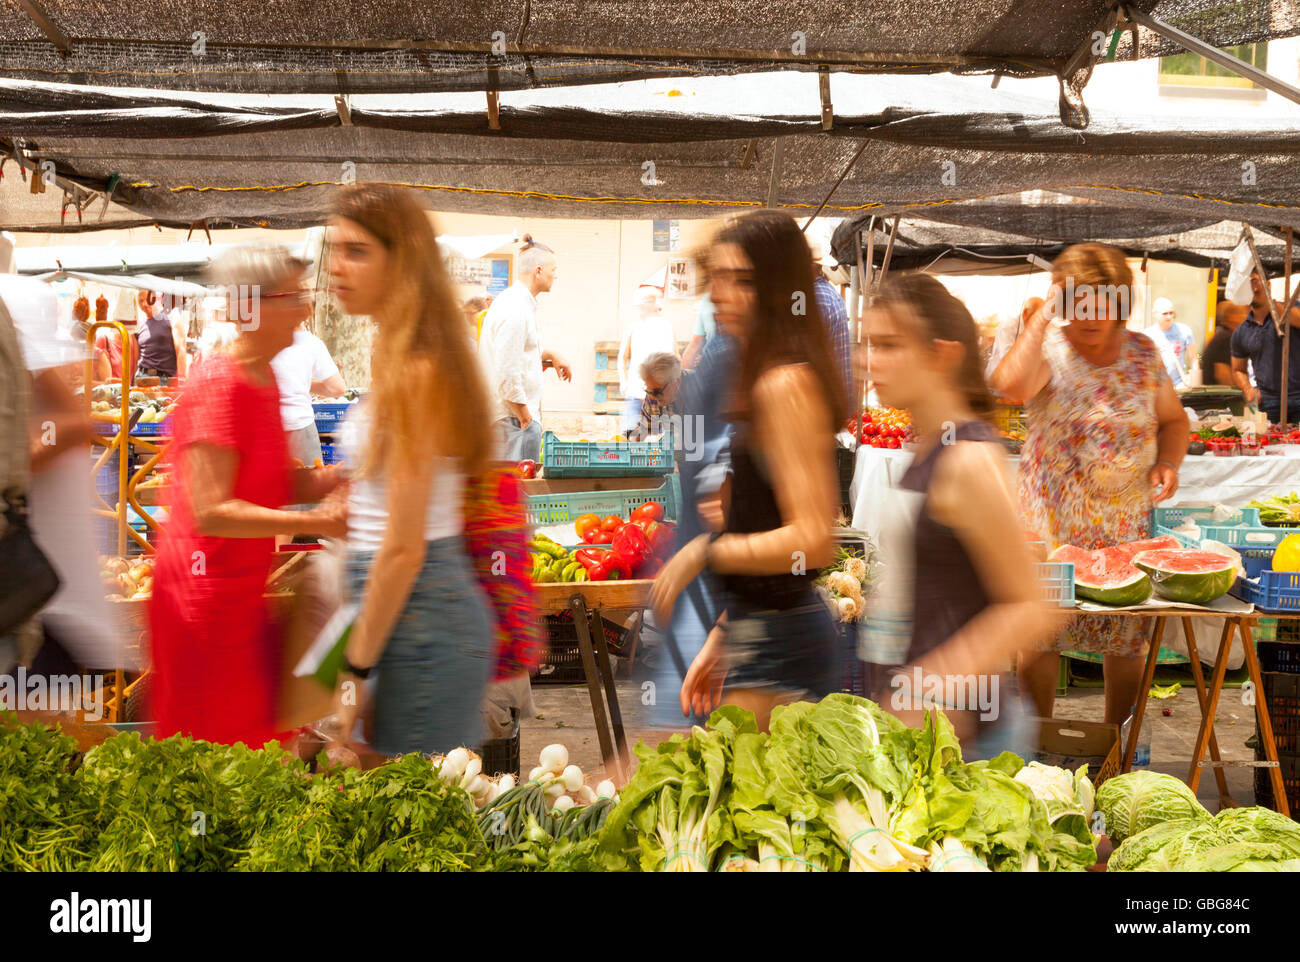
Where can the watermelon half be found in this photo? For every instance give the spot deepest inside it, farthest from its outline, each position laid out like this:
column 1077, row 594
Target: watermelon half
column 1188, row 576
column 1103, row 578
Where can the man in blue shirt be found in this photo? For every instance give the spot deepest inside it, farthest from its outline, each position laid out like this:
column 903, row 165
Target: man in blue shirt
column 836, row 317
column 1258, row 342
column 1174, row 340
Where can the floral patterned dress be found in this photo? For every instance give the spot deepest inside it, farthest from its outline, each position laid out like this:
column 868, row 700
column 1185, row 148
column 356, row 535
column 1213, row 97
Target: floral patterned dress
column 1084, row 467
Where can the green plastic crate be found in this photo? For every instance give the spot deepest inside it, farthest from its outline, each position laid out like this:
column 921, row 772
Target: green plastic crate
column 606, row 459
column 560, row 508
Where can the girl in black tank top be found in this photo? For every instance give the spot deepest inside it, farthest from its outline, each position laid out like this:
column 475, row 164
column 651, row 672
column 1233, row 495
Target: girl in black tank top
column 775, row 641
column 975, row 596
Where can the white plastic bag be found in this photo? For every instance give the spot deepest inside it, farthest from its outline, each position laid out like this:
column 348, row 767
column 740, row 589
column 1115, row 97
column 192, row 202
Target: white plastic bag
column 1240, row 265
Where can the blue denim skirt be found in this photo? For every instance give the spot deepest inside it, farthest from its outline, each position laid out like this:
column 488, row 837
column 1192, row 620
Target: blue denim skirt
column 794, row 650
column 435, row 668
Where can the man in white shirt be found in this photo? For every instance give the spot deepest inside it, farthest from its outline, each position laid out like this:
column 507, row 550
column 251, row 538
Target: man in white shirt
column 511, row 347
column 302, row 369
column 651, row 333
column 1174, row 340
column 1007, row 332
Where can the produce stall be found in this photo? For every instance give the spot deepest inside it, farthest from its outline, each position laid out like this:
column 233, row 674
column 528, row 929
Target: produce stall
column 582, row 566
column 837, row 785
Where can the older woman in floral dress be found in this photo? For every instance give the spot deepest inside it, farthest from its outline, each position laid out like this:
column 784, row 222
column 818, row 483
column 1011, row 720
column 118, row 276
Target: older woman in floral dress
column 1106, row 436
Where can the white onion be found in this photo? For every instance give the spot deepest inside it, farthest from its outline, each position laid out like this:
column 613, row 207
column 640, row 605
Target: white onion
column 554, row 758
column 585, row 795
column 455, row 762
column 572, row 778
column 555, row 789
column 537, row 773
column 606, row 789
column 563, row 804
column 506, row 783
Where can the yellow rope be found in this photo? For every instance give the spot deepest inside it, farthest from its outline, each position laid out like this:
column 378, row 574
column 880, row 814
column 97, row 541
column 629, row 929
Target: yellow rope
column 697, row 201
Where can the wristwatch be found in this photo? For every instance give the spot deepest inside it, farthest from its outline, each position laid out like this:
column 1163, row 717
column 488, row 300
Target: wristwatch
column 351, row 669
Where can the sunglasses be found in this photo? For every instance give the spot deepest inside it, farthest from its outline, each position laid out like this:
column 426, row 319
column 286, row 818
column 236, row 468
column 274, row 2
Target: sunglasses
column 297, row 295
column 533, row 244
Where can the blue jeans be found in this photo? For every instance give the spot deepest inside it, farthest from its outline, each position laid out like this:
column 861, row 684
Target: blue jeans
column 439, row 658
column 520, row 444
column 1271, row 405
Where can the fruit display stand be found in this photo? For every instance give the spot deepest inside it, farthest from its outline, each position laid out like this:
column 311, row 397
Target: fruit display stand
column 553, row 501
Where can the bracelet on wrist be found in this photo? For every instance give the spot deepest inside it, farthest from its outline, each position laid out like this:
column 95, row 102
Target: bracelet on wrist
column 1170, row 463
column 351, row 669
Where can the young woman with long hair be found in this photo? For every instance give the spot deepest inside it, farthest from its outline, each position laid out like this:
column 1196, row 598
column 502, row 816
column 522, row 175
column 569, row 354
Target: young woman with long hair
column 974, row 598
column 774, row 642
column 424, row 623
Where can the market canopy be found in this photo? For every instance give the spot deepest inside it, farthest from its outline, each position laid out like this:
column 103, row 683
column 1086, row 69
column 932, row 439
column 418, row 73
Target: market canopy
column 999, row 235
column 301, row 46
column 676, row 149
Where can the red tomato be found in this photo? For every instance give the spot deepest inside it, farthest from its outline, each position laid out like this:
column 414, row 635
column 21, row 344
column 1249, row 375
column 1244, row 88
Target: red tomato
column 602, row 537
column 528, row 469
column 650, row 511
column 585, row 523
column 611, row 523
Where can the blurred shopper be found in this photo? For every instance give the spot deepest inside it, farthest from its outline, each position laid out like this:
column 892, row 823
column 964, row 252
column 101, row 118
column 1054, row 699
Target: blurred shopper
column 651, row 333
column 216, row 647
column 512, row 343
column 705, row 328
column 661, row 374
column 836, row 317
column 1216, row 362
column 161, row 340
column 1106, row 430
column 78, row 627
column 975, row 603
column 1007, row 333
column 424, row 623
column 110, row 353
column 475, row 310
column 15, row 456
column 774, row 641
column 303, row 369
column 1174, row 340
column 1258, row 342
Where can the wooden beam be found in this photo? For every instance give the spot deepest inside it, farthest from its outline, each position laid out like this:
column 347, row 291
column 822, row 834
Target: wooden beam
column 824, row 85
column 889, row 248
column 751, row 148
column 45, row 23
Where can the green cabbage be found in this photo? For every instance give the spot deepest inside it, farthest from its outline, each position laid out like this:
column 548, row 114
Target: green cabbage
column 1134, row 802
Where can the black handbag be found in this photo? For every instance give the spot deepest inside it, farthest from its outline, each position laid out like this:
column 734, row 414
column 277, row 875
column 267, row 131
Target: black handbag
column 27, row 579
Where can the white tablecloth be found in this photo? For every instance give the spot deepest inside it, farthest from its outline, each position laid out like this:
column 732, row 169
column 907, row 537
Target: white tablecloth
column 1231, row 481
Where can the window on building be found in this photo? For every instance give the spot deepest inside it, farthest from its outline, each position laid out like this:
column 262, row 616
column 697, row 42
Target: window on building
column 1193, row 70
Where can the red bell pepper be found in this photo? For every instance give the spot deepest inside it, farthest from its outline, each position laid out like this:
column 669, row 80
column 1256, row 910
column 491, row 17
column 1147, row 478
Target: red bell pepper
column 611, row 568
column 662, row 539
column 590, row 557
column 632, row 546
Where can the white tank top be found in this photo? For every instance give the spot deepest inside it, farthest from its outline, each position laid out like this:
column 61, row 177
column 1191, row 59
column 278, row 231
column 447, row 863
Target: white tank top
column 368, row 500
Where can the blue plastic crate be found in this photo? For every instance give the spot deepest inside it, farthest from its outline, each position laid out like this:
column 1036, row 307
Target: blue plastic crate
column 1174, row 515
column 331, row 454
column 606, row 459
column 1057, row 579
column 543, row 509
column 1276, row 592
column 1255, row 544
column 330, row 415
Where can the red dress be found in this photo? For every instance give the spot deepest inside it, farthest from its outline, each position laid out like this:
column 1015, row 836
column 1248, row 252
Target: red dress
column 216, row 652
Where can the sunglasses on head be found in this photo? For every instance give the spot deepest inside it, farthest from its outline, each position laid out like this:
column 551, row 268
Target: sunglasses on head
column 530, row 245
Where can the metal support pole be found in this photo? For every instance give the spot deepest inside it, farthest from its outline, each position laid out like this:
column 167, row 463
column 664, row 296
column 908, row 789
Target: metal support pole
column 774, row 182
column 1286, row 329
column 1214, row 55
column 45, row 23
column 835, row 186
column 889, row 248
